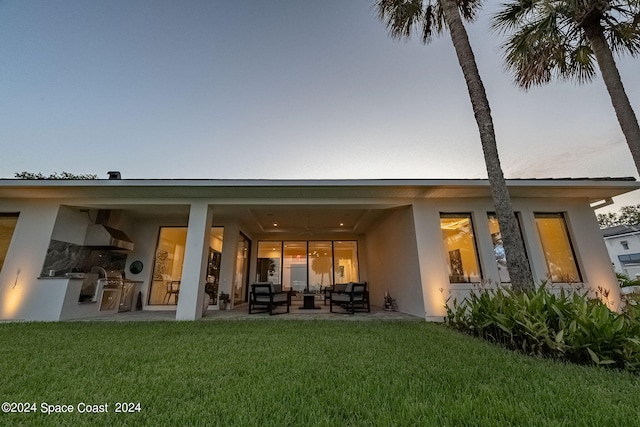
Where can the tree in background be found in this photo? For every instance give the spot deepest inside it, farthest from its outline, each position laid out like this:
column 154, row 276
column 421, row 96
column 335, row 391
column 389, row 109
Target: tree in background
column 55, row 175
column 629, row 215
column 402, row 18
column 561, row 38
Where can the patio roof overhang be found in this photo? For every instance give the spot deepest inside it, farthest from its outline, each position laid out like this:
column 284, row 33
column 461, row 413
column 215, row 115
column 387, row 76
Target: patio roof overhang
column 297, row 207
column 593, row 189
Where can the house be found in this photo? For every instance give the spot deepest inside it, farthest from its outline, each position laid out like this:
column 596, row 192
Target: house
column 65, row 245
column 623, row 245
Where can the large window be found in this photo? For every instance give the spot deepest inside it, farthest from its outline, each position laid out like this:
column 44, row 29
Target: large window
column 213, row 264
column 7, row 226
column 556, row 245
column 167, row 270
column 294, row 265
column 307, row 265
column 320, row 265
column 460, row 248
column 345, row 261
column 269, row 262
column 498, row 246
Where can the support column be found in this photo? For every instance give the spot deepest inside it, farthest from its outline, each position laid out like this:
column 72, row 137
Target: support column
column 194, row 268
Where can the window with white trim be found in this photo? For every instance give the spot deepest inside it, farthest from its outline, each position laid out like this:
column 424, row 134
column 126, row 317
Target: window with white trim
column 460, row 248
column 558, row 250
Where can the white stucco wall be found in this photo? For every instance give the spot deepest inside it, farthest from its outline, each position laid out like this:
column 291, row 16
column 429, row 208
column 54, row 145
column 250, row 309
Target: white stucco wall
column 590, row 251
column 71, row 226
column 434, row 277
column 393, row 262
column 22, row 294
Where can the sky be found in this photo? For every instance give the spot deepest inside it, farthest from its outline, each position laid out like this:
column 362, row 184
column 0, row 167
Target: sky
column 278, row 89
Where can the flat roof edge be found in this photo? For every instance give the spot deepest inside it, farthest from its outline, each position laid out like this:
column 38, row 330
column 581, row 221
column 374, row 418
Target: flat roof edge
column 472, row 182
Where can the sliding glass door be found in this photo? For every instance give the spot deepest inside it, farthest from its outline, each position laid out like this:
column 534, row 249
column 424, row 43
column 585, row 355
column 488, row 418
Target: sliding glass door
column 321, row 265
column 269, row 263
column 307, row 265
column 294, row 268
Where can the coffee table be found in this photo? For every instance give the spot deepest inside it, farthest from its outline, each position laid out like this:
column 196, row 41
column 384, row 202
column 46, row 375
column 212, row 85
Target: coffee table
column 309, row 302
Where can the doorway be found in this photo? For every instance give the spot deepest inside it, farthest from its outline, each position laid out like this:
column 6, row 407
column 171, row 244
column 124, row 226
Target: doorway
column 241, row 275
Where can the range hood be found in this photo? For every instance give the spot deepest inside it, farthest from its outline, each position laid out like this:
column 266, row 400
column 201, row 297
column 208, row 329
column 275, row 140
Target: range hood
column 101, row 236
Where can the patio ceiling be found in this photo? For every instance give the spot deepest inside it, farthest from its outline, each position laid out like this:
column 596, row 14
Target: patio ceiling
column 296, row 220
column 305, row 221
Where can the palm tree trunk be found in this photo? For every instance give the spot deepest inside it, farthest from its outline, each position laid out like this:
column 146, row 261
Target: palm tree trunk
column 517, row 263
column 611, row 76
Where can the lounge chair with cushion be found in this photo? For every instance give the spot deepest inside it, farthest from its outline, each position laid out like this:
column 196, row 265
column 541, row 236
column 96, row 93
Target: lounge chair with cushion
column 338, row 287
column 354, row 298
column 264, row 297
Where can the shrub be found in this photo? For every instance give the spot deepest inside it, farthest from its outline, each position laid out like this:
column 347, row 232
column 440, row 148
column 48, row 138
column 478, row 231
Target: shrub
column 624, row 280
column 571, row 326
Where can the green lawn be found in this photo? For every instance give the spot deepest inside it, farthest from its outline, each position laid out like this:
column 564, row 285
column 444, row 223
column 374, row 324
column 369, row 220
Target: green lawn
column 269, row 372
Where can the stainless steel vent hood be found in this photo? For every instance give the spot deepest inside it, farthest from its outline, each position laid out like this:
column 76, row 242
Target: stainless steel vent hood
column 104, row 237
column 101, row 236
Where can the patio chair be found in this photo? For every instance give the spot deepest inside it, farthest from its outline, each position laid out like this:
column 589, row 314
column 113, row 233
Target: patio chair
column 338, row 287
column 172, row 289
column 264, row 297
column 354, row 298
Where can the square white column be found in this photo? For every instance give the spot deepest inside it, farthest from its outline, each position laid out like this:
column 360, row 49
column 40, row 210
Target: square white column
column 191, row 297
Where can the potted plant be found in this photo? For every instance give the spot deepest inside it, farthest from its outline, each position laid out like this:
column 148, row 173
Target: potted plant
column 224, row 300
column 389, row 302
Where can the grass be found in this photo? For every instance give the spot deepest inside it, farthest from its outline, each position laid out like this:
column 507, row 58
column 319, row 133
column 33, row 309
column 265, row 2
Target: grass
column 298, row 373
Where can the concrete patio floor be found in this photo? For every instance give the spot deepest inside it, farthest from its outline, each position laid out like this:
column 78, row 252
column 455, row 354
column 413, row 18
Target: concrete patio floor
column 241, row 312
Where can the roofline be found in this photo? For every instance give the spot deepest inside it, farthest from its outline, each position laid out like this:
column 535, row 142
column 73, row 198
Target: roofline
column 593, row 189
column 475, row 182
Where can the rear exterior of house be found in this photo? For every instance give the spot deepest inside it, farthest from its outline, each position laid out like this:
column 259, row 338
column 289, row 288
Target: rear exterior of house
column 82, row 249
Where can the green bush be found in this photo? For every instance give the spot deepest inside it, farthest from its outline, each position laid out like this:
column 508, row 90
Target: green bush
column 571, row 326
column 624, row 280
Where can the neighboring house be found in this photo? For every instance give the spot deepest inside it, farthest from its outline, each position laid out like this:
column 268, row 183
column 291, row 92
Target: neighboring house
column 623, row 245
column 182, row 242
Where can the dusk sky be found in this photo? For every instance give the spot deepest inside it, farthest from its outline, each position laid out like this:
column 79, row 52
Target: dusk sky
column 277, row 89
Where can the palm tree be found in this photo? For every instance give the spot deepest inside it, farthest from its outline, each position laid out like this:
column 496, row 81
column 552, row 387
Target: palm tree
column 402, row 18
column 561, row 38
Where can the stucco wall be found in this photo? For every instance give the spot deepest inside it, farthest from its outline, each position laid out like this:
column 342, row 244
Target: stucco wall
column 590, row 250
column 22, row 294
column 393, row 262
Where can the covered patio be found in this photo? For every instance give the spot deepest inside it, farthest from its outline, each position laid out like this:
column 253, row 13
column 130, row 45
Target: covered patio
column 240, row 312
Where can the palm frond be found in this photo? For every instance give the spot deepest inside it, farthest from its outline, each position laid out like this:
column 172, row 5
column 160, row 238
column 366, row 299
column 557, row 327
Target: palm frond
column 400, row 16
column 511, row 15
column 546, row 38
column 582, row 64
column 428, row 23
column 624, row 38
column 469, row 8
column 405, row 17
